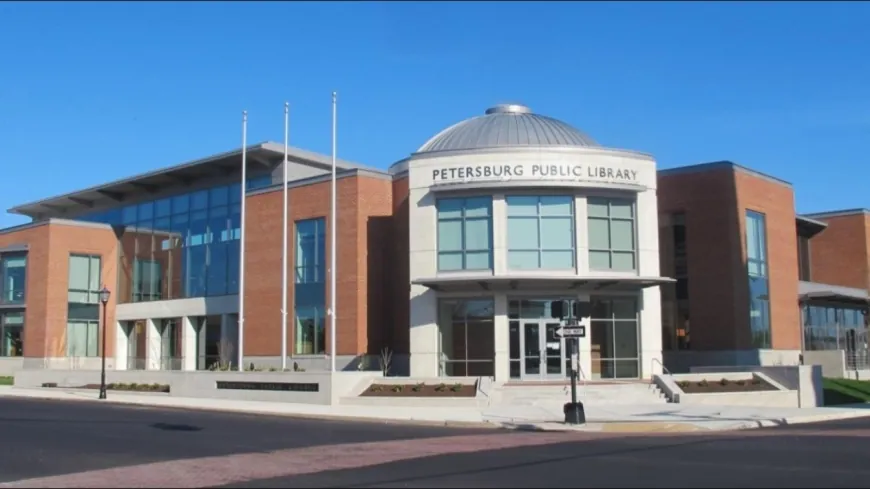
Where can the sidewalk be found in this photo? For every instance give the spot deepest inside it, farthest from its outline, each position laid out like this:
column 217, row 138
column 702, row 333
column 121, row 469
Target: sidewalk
column 543, row 417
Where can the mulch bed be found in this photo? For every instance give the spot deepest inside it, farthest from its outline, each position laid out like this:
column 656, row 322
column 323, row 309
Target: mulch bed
column 420, row 390
column 121, row 387
column 722, row 386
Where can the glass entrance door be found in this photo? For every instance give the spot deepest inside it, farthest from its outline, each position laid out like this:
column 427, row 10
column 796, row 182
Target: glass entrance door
column 543, row 351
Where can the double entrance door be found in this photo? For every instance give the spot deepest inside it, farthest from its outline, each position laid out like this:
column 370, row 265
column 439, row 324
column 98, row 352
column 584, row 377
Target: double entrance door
column 537, row 352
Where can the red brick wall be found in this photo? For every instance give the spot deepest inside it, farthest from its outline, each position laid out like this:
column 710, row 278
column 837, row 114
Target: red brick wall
column 715, row 201
column 776, row 201
column 400, row 270
column 840, row 255
column 361, row 202
column 715, row 269
column 48, row 277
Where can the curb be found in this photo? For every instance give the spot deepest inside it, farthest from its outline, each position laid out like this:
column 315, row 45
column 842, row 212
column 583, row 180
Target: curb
column 44, row 396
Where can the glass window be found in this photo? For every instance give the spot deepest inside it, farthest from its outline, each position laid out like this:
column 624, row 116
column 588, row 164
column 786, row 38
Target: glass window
column 13, row 272
column 614, row 338
column 465, row 234
column 12, row 334
column 84, row 279
column 540, row 232
column 759, row 295
column 611, row 226
column 466, row 337
column 147, row 280
column 309, row 300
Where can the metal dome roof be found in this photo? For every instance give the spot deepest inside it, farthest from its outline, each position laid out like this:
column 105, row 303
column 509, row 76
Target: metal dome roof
column 506, row 125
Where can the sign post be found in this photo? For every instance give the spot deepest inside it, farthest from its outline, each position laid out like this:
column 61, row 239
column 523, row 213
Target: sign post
column 572, row 332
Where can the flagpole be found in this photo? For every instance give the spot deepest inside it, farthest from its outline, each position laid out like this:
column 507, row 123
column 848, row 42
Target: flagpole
column 284, row 247
column 242, row 242
column 333, row 253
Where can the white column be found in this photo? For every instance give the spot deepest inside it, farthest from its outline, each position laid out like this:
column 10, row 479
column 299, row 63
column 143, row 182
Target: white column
column 229, row 332
column 188, row 344
column 121, row 344
column 499, row 235
column 585, row 347
column 502, row 339
column 581, row 236
column 153, row 344
column 650, row 299
column 424, row 332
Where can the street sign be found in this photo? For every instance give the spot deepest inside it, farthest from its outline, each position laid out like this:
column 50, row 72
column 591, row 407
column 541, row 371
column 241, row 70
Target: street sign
column 572, row 332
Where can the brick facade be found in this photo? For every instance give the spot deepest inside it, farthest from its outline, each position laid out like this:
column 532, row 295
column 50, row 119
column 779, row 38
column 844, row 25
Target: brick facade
column 714, row 199
column 364, row 234
column 49, row 246
column 840, row 255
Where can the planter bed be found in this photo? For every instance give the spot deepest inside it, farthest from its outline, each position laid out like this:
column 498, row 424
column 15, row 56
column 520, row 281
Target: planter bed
column 724, row 386
column 421, row 390
column 117, row 387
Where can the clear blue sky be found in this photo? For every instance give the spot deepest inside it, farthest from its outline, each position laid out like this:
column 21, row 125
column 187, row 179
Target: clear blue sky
column 91, row 92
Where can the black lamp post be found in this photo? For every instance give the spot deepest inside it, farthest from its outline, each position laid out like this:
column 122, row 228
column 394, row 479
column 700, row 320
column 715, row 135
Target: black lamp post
column 104, row 298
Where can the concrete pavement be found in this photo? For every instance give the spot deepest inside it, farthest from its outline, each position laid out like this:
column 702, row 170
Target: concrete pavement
column 543, row 416
column 86, row 444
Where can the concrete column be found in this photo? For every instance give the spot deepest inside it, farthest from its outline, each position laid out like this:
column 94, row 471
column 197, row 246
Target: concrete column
column 581, row 235
column 153, row 344
column 502, row 339
column 121, row 343
column 424, row 332
column 188, row 344
column 585, row 344
column 229, row 333
column 499, row 235
column 650, row 332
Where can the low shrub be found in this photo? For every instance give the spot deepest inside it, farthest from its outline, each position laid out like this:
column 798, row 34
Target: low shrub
column 418, row 387
column 456, row 387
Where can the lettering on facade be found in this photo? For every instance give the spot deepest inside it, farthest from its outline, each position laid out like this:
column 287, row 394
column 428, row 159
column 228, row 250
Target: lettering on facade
column 269, row 386
column 563, row 172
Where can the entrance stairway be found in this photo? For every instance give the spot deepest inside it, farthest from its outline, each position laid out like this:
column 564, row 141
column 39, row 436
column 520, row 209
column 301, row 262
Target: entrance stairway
column 594, row 393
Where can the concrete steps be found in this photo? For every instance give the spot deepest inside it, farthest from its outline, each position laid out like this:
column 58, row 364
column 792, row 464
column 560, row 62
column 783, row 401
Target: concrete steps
column 599, row 394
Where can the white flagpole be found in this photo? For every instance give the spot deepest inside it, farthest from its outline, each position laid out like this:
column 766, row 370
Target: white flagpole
column 242, row 242
column 332, row 220
column 284, row 247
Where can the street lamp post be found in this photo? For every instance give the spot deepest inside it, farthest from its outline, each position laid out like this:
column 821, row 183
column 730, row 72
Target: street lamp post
column 104, row 298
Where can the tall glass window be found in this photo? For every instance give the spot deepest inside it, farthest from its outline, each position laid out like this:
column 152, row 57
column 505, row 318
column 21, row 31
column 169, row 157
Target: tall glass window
column 614, row 338
column 146, row 280
column 83, row 313
column 309, row 296
column 465, row 234
column 540, row 232
column 759, row 293
column 466, row 337
column 611, row 234
column 13, row 271
column 12, row 334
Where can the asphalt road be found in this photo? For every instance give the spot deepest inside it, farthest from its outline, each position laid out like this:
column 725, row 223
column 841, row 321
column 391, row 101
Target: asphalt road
column 79, row 444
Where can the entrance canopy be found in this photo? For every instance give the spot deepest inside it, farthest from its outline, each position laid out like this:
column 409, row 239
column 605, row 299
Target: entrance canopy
column 816, row 292
column 524, row 282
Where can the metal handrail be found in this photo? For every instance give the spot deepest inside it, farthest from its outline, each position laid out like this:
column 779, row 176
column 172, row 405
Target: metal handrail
column 664, row 369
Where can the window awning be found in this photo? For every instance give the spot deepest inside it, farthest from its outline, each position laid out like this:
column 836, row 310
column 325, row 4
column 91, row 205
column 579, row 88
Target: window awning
column 473, row 283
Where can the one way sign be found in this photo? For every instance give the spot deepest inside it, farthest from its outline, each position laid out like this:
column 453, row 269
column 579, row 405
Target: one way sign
column 572, row 332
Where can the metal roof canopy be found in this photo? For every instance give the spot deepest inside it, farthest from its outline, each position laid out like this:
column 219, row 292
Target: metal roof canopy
column 266, row 154
column 815, row 291
column 468, row 283
column 808, row 227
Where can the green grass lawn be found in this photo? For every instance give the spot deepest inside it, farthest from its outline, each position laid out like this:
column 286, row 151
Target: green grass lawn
column 5, row 380
column 846, row 391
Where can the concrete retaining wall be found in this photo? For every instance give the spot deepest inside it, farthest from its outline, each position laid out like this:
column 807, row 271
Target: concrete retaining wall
column 833, row 362
column 8, row 365
column 683, row 361
column 805, row 379
column 202, row 384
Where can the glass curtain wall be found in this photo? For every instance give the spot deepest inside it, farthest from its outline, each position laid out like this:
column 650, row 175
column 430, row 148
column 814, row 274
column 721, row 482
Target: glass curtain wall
column 181, row 246
column 309, row 297
column 756, row 265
